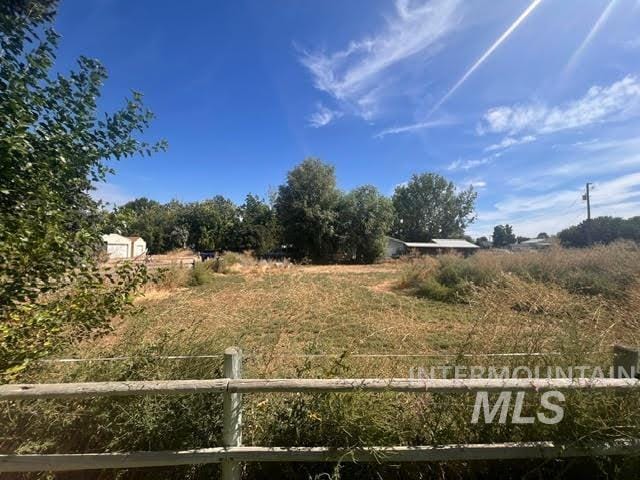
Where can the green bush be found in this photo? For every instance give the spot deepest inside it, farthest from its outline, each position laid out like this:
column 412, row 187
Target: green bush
column 609, row 271
column 202, row 273
column 433, row 289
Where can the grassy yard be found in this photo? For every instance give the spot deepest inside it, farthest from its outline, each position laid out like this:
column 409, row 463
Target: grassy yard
column 280, row 316
column 301, row 310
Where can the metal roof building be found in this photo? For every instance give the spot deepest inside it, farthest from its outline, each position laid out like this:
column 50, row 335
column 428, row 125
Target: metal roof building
column 396, row 247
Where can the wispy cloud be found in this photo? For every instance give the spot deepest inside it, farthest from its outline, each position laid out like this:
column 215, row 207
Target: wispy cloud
column 581, row 160
column 469, row 164
column 323, row 116
column 510, row 142
column 426, row 124
column 598, row 105
column 602, row 19
column 532, row 6
column 632, row 44
column 477, row 184
column 353, row 75
column 560, row 208
column 443, row 122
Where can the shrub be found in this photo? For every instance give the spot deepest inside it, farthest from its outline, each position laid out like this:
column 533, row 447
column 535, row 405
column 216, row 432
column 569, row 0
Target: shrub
column 608, row 270
column 172, row 277
column 433, row 289
column 202, row 273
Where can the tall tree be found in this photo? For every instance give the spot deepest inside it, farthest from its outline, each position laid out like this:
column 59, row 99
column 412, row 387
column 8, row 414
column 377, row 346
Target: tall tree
column 503, row 235
column 258, row 228
column 212, row 223
column 365, row 217
column 306, row 209
column 145, row 218
column 601, row 230
column 53, row 147
column 429, row 206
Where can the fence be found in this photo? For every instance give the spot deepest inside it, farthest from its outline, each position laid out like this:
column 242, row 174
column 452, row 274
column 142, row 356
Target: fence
column 233, row 453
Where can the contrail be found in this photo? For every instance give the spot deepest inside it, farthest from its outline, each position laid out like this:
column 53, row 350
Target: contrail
column 486, row 54
column 592, row 33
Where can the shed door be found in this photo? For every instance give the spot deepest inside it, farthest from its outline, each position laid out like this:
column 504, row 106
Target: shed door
column 118, row 250
column 139, row 250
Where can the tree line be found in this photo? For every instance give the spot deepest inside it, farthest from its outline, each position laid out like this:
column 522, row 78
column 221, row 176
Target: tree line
column 308, row 215
column 601, row 230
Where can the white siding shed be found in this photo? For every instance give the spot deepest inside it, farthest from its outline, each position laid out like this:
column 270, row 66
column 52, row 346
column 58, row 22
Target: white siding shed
column 117, row 245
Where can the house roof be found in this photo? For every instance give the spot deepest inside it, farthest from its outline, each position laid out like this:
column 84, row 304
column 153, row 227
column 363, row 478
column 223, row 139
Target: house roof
column 114, row 238
column 133, row 239
column 439, row 243
column 420, row 244
column 453, row 243
column 537, row 241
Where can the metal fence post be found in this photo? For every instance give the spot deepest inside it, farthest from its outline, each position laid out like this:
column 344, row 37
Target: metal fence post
column 626, row 361
column 232, row 413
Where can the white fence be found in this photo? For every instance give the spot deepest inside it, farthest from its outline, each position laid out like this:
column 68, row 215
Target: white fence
column 233, row 453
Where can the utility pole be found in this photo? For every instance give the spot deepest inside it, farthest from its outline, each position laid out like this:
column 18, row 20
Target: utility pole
column 587, row 197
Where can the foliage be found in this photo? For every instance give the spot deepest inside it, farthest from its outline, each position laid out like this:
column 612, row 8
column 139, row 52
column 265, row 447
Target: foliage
column 428, row 207
column 503, row 235
column 601, row 230
column 258, row 230
column 210, row 224
column 365, row 216
column 306, row 207
column 53, row 147
column 310, row 216
column 608, row 271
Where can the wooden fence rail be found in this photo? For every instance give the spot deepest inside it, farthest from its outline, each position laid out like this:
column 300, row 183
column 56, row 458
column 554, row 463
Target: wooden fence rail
column 308, row 385
column 232, row 453
column 424, row 453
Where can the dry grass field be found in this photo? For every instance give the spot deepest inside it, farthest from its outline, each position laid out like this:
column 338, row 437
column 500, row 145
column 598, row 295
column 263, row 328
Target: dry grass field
column 281, row 313
column 350, row 321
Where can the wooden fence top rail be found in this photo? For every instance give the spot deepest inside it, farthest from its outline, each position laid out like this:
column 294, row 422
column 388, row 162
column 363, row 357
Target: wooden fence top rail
column 492, row 451
column 126, row 388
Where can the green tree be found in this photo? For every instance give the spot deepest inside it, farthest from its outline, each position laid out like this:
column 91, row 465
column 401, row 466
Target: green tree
column 144, row 218
column 53, row 147
column 429, row 206
column 306, row 207
column 602, row 230
column 258, row 229
column 503, row 235
column 214, row 223
column 365, row 217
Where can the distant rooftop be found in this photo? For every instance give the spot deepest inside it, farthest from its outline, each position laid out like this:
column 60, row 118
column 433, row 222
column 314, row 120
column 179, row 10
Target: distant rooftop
column 441, row 243
column 454, row 243
column 537, row 241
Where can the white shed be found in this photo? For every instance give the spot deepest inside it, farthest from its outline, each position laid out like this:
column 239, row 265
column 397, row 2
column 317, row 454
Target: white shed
column 138, row 246
column 118, row 246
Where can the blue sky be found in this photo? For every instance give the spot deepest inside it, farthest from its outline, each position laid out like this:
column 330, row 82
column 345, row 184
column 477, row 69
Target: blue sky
column 525, row 100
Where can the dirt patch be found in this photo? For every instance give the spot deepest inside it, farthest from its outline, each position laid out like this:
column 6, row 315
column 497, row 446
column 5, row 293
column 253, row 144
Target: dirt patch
column 346, row 269
column 384, row 287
